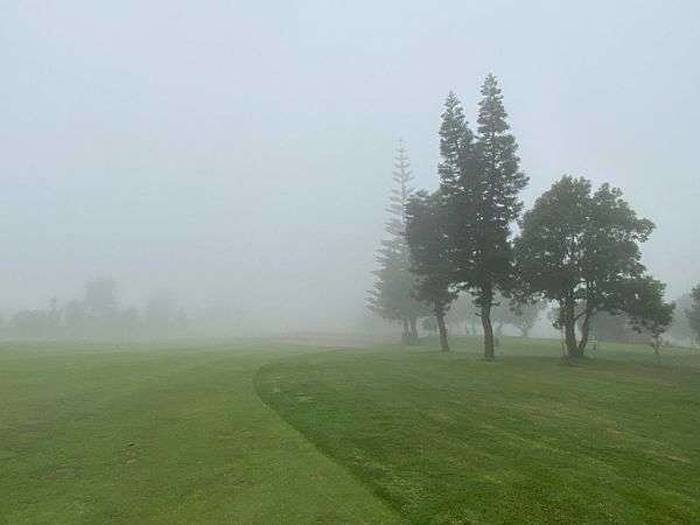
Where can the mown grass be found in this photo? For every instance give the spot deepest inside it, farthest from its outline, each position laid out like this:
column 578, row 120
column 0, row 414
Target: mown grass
column 449, row 438
column 159, row 434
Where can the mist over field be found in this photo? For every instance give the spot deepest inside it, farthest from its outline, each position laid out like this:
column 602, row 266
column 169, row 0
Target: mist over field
column 239, row 155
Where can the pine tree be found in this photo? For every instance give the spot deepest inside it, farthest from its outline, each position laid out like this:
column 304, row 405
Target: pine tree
column 393, row 294
column 480, row 180
column 494, row 187
column 693, row 313
column 455, row 145
column 430, row 256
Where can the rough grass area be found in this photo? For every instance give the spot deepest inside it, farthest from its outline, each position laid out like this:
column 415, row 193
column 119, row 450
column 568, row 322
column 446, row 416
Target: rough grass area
column 142, row 434
column 449, row 438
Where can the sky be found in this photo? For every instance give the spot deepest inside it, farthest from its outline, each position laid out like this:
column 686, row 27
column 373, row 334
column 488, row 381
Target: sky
column 240, row 153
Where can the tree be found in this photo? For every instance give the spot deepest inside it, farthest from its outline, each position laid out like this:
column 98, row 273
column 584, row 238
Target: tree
column 693, row 313
column 481, row 181
column 521, row 315
column 463, row 313
column 581, row 249
column 616, row 328
column 642, row 299
column 392, row 296
column 101, row 297
column 427, row 241
column 680, row 329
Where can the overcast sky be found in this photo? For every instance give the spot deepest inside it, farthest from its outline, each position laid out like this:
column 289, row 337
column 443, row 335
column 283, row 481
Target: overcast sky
column 241, row 151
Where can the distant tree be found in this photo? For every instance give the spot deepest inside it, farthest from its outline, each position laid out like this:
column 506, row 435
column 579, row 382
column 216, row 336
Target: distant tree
column 520, row 315
column 463, row 313
column 680, row 329
column 693, row 313
column 617, row 328
column 393, row 294
column 429, row 325
column 581, row 249
column 481, row 181
column 643, row 301
column 38, row 323
column 427, row 241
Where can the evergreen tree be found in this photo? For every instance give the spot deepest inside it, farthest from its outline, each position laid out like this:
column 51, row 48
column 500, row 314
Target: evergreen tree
column 455, row 146
column 495, row 186
column 693, row 313
column 481, row 180
column 427, row 241
column 393, row 294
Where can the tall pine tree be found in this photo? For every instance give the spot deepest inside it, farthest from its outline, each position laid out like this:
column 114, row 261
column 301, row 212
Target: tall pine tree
column 393, row 295
column 481, row 180
column 495, row 186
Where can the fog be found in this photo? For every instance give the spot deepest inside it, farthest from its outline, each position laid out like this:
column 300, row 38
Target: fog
column 240, row 154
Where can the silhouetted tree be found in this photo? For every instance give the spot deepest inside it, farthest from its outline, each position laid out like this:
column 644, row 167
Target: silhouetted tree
column 481, row 181
column 693, row 313
column 463, row 313
column 521, row 315
column 429, row 249
column 393, row 294
column 581, row 249
column 642, row 299
column 680, row 329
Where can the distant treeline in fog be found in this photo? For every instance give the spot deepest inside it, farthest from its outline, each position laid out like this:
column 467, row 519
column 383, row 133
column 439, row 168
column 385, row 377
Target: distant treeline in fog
column 98, row 313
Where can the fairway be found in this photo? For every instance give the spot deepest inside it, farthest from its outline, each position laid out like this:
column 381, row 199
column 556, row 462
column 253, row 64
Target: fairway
column 159, row 434
column 264, row 432
column 449, row 438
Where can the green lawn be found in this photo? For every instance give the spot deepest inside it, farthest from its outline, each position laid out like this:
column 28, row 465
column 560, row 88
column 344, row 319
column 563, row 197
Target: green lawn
column 449, row 438
column 178, row 434
column 166, row 434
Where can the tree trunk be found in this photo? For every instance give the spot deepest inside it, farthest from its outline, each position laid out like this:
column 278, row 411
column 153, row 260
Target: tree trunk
column 569, row 320
column 414, row 330
column 585, row 333
column 489, row 353
column 405, row 336
column 440, row 318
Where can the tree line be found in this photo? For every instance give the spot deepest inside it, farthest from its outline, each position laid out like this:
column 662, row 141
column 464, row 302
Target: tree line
column 99, row 314
column 578, row 247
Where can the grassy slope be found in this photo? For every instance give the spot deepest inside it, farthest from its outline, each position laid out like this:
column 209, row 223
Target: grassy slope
column 98, row 434
column 451, row 438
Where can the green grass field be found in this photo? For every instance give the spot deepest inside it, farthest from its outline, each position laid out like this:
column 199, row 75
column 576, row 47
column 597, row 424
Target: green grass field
column 104, row 434
column 449, row 438
column 271, row 433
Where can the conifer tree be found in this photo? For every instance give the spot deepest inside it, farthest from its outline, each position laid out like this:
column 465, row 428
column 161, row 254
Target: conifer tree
column 494, row 186
column 393, row 295
column 430, row 257
column 481, row 180
column 693, row 313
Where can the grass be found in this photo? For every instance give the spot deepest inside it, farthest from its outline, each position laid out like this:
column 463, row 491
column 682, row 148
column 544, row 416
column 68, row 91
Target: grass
column 186, row 434
column 449, row 438
column 164, row 434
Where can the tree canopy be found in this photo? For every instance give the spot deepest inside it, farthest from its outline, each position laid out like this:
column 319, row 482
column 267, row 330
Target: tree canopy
column 581, row 249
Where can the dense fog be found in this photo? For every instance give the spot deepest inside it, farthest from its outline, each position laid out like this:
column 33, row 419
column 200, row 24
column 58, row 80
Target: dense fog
column 233, row 160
